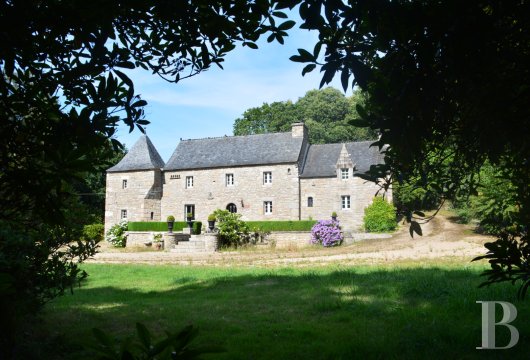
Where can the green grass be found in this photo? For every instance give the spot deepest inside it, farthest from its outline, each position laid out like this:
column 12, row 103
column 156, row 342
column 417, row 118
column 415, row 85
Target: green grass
column 409, row 312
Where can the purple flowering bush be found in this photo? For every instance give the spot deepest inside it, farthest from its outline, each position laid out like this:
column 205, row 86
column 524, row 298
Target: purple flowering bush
column 327, row 233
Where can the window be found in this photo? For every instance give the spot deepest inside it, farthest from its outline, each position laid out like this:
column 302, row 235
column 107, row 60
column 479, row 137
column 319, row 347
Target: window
column 267, row 177
column 152, row 215
column 345, row 173
column 310, row 201
column 267, row 207
column 345, row 201
column 229, row 179
column 189, row 182
column 232, row 208
column 124, row 214
column 124, row 184
column 189, row 209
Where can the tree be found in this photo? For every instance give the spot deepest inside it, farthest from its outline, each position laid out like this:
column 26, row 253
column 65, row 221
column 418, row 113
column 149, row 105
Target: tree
column 326, row 113
column 63, row 92
column 445, row 80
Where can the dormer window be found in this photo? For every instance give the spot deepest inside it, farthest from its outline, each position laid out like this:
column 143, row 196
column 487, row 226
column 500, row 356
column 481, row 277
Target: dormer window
column 344, row 173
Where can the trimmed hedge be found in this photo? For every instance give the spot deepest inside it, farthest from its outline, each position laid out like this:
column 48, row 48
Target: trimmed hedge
column 197, row 227
column 155, row 226
column 266, row 226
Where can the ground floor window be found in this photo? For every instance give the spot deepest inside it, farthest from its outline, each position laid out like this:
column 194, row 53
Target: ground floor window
column 124, row 214
column 189, row 209
column 310, row 201
column 345, row 201
column 267, row 207
column 232, row 208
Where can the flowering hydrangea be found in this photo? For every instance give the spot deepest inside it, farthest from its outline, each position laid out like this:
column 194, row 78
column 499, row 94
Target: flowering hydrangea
column 116, row 234
column 327, row 233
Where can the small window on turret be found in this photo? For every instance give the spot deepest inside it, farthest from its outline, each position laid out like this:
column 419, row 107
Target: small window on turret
column 124, row 184
column 124, row 214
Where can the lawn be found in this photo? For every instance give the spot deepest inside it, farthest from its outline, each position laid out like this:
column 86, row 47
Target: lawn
column 327, row 312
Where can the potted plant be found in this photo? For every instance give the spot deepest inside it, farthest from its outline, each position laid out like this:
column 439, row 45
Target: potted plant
column 334, row 216
column 170, row 222
column 189, row 218
column 211, row 222
column 157, row 241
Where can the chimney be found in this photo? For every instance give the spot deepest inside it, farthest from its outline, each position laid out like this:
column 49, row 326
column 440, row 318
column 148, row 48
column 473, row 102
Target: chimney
column 299, row 130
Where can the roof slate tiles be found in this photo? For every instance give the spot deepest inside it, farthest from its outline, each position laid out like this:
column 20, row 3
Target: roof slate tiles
column 261, row 149
column 322, row 160
column 141, row 156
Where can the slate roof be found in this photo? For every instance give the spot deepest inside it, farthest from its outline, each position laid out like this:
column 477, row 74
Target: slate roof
column 261, row 149
column 141, row 156
column 321, row 160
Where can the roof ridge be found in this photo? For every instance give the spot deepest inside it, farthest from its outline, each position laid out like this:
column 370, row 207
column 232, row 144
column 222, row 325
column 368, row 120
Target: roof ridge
column 236, row 136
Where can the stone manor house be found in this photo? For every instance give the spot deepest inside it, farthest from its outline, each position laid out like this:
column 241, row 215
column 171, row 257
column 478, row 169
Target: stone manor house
column 277, row 176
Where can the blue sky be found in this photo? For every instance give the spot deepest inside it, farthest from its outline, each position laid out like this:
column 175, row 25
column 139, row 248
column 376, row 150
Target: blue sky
column 206, row 105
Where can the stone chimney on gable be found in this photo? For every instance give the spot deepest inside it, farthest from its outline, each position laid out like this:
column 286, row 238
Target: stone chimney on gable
column 299, row 130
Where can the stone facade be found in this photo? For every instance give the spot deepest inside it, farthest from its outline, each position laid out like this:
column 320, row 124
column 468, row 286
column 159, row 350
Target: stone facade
column 248, row 193
column 138, row 193
column 327, row 196
column 262, row 177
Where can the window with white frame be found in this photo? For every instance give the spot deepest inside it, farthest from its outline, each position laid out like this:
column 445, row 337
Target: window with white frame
column 345, row 202
column 345, row 173
column 229, row 179
column 124, row 214
column 267, row 207
column 267, row 177
column 124, row 184
column 189, row 182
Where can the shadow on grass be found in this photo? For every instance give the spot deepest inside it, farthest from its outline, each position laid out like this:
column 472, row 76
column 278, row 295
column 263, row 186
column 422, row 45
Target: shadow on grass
column 290, row 313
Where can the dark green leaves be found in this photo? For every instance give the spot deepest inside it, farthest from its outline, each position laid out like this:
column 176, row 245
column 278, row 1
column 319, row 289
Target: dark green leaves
column 303, row 56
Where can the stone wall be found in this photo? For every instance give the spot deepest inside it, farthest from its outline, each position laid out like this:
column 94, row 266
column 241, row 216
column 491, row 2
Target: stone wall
column 141, row 197
column 326, row 194
column 289, row 239
column 210, row 192
column 175, row 242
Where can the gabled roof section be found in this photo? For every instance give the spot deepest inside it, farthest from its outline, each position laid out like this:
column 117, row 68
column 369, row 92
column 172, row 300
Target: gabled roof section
column 262, row 149
column 141, row 156
column 322, row 160
column 344, row 160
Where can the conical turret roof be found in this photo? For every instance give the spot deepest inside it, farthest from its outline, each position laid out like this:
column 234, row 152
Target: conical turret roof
column 141, row 156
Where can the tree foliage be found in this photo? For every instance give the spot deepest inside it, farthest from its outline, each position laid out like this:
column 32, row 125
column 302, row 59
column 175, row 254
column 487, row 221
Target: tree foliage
column 327, row 114
column 446, row 80
column 63, row 90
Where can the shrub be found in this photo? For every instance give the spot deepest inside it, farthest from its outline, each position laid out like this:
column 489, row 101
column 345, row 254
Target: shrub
column 268, row 226
column 211, row 217
column 93, row 232
column 196, row 227
column 170, row 218
column 380, row 216
column 116, row 234
column 326, row 233
column 232, row 230
column 155, row 226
